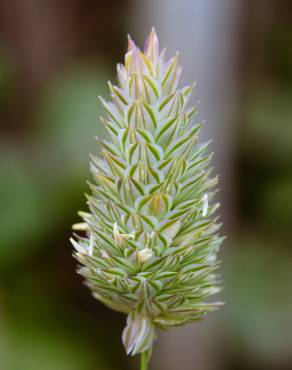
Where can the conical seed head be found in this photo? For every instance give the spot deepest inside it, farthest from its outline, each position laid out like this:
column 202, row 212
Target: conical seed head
column 150, row 245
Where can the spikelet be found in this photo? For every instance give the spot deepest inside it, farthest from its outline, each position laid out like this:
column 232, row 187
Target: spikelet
column 150, row 245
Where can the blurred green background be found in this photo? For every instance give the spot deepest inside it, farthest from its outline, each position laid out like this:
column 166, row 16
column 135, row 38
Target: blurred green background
column 55, row 58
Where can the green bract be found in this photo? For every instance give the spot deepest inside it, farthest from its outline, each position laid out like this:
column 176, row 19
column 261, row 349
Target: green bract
column 151, row 237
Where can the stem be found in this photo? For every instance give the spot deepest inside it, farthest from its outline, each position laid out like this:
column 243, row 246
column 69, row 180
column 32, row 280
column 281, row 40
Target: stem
column 144, row 360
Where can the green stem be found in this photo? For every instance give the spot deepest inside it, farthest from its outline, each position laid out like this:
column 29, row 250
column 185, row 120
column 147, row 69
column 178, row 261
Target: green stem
column 144, row 360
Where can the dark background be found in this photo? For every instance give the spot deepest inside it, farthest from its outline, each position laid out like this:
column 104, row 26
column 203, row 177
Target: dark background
column 55, row 58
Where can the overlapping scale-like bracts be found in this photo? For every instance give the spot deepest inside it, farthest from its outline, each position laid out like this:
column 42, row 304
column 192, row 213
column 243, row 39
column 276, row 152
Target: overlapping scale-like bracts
column 151, row 240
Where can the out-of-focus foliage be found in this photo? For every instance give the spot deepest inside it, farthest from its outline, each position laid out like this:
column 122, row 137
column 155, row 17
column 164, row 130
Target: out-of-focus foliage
column 69, row 121
column 39, row 183
column 268, row 126
column 33, row 347
column 259, row 300
column 21, row 210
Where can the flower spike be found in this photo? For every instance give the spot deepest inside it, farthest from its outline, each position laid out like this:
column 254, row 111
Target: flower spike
column 150, row 239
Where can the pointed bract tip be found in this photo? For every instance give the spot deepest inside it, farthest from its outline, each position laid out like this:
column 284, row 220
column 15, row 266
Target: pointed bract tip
column 131, row 43
column 101, row 99
column 153, row 35
column 151, row 46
